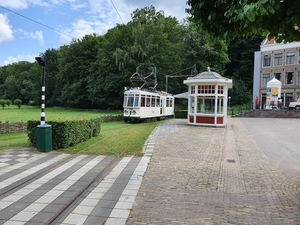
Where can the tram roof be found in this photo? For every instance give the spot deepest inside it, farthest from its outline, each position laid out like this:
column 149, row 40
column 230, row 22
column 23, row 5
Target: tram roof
column 147, row 92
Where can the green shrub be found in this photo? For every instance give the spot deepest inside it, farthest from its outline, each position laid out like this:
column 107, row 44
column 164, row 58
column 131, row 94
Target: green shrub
column 2, row 103
column 67, row 133
column 181, row 114
column 18, row 102
column 8, row 102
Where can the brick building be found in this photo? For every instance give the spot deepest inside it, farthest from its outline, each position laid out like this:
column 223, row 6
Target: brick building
column 281, row 61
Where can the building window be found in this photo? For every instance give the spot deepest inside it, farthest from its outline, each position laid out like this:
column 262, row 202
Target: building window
column 265, row 79
column 277, row 76
column 192, row 105
column 298, row 80
column 290, row 58
column 289, row 78
column 220, row 89
column 192, row 89
column 206, row 89
column 267, row 60
column 278, row 59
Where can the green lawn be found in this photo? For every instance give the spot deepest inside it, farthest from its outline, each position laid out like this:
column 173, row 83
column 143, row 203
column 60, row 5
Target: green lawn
column 116, row 138
column 25, row 113
column 10, row 141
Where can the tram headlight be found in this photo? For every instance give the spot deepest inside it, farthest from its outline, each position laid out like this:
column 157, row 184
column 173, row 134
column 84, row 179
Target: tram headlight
column 133, row 112
column 125, row 112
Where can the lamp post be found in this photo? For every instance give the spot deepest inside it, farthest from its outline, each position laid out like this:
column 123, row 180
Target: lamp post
column 229, row 101
column 42, row 63
column 44, row 131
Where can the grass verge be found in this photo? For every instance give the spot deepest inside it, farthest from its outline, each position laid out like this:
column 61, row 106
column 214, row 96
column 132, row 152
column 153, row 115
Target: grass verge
column 16, row 140
column 116, row 138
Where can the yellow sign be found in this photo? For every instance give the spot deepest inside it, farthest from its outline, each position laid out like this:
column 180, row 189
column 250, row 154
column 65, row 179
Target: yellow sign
column 274, row 91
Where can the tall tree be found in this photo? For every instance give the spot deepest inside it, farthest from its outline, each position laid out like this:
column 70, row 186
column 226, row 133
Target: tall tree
column 241, row 53
column 75, row 61
column 231, row 19
column 155, row 42
column 51, row 73
column 201, row 49
column 19, row 80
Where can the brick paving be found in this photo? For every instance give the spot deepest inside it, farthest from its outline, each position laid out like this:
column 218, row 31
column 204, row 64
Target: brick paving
column 246, row 173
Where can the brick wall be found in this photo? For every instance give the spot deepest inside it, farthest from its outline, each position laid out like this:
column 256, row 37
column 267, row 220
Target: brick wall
column 12, row 127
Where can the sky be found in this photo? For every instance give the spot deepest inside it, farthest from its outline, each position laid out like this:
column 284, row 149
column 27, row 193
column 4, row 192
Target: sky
column 30, row 27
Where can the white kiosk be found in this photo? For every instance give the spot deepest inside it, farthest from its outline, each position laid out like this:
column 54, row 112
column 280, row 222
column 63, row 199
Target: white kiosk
column 273, row 94
column 207, row 99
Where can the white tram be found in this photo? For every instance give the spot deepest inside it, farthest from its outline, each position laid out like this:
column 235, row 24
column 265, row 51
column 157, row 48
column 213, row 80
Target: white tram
column 141, row 105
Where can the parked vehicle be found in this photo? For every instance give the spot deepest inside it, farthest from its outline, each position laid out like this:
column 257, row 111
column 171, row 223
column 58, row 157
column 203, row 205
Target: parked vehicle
column 295, row 105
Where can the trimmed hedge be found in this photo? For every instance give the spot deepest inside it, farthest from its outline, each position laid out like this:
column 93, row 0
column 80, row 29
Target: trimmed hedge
column 67, row 133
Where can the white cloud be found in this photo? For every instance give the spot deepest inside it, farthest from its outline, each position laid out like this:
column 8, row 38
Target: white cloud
column 14, row 4
column 12, row 59
column 5, row 31
column 102, row 15
column 82, row 27
column 37, row 35
column 173, row 8
column 77, row 6
column 24, row 4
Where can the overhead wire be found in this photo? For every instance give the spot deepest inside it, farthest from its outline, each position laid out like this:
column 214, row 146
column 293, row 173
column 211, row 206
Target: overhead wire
column 37, row 22
column 117, row 11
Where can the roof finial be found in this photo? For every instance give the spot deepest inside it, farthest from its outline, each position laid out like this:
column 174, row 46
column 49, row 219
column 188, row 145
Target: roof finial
column 208, row 69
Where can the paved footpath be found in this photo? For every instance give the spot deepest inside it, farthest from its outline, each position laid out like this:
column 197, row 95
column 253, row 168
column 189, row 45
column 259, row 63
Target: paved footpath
column 246, row 173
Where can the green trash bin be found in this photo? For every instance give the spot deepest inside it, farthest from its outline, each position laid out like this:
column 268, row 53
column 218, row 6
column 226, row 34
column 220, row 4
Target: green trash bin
column 44, row 138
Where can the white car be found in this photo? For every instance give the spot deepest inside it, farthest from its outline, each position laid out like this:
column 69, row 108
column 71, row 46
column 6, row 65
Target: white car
column 295, row 105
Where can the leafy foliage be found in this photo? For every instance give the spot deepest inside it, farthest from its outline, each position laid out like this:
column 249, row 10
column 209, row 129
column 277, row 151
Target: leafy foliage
column 8, row 102
column 239, row 93
column 231, row 19
column 241, row 55
column 2, row 103
column 18, row 102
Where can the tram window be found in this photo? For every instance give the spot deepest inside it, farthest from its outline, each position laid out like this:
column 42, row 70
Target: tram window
column 136, row 101
column 130, row 100
column 168, row 102
column 153, row 101
column 171, row 102
column 157, row 101
column 148, row 99
column 143, row 101
column 125, row 100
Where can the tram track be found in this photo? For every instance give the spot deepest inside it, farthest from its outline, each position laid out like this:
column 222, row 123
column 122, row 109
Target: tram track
column 55, row 189
column 30, row 178
column 72, row 202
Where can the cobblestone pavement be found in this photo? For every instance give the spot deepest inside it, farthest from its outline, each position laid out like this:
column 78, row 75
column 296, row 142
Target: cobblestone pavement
column 246, row 173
